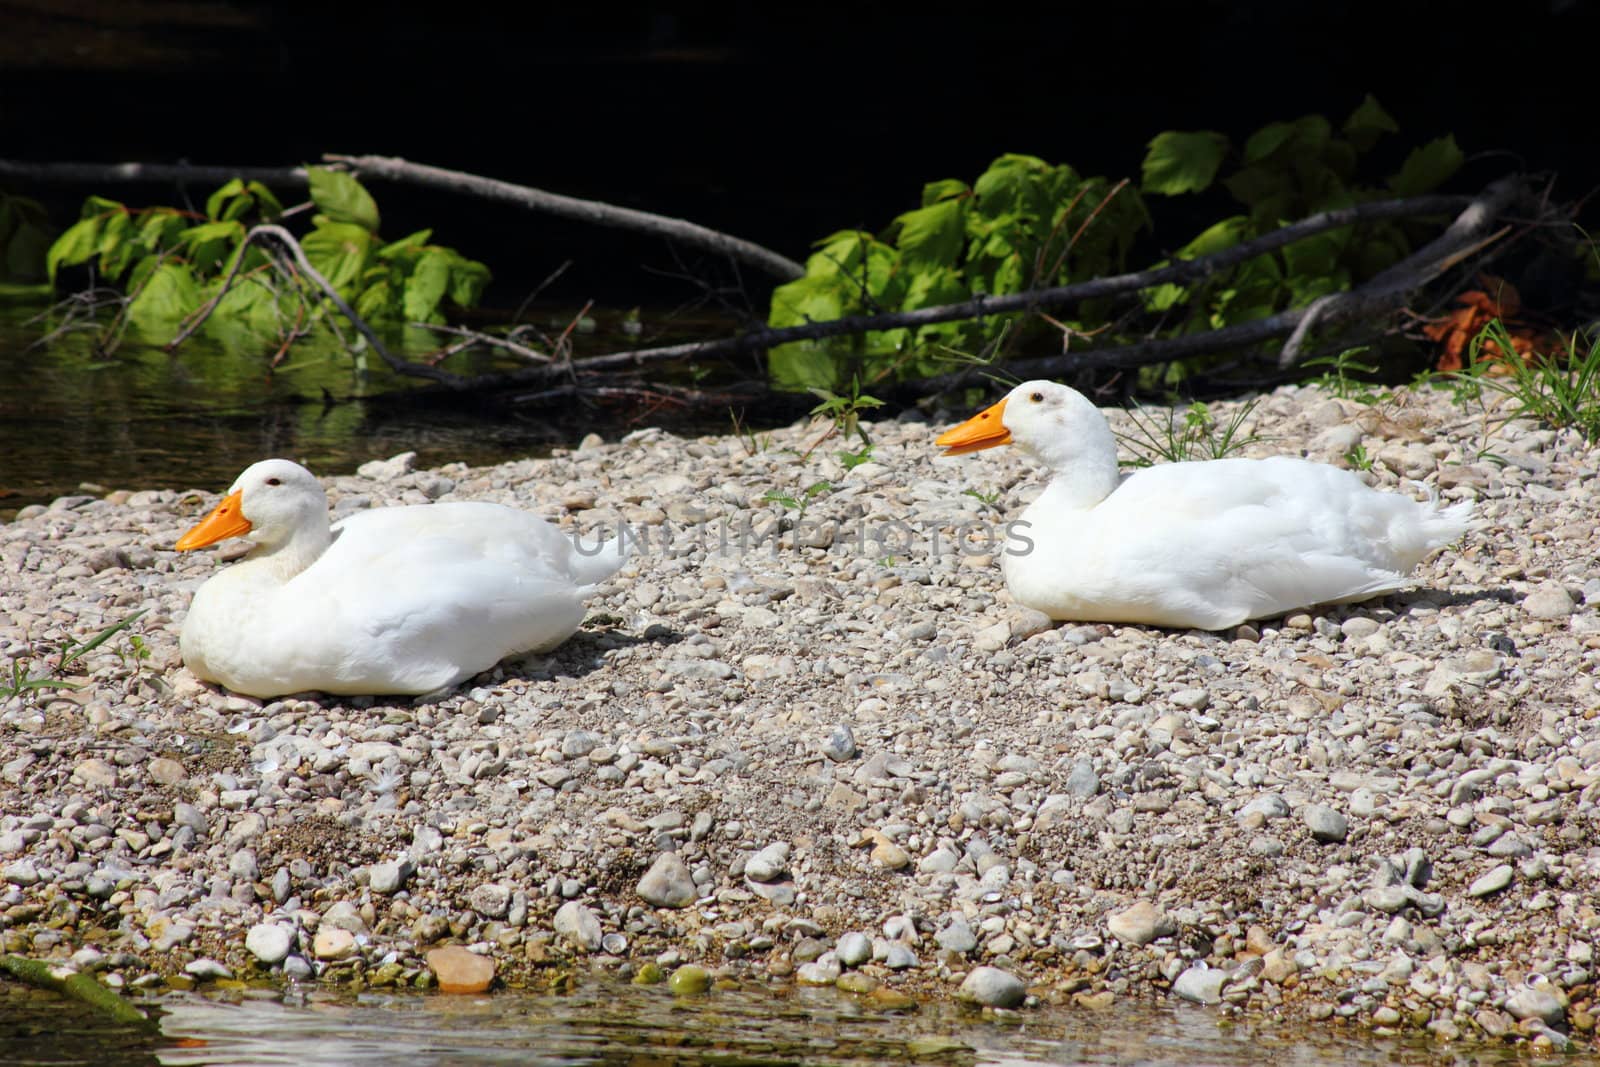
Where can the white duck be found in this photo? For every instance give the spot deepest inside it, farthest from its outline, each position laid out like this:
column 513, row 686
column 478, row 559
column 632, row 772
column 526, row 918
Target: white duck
column 1199, row 544
column 389, row 600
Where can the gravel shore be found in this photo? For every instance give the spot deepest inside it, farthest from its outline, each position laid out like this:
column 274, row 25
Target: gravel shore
column 837, row 753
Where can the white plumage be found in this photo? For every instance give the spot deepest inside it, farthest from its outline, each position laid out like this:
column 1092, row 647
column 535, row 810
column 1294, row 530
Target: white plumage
column 389, row 600
column 1205, row 544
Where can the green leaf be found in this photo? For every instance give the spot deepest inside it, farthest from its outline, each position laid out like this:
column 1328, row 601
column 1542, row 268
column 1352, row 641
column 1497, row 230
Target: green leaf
column 25, row 251
column 1182, row 162
column 1367, row 123
column 807, row 299
column 338, row 250
column 267, row 204
column 118, row 245
column 78, row 244
column 377, row 302
column 1316, row 255
column 801, row 366
column 1254, row 185
column 932, row 236
column 341, row 198
column 943, row 189
column 1014, row 185
column 230, row 190
column 168, row 296
column 426, row 287
column 1428, row 167
column 468, row 279
column 1165, row 296
column 210, row 243
column 160, row 228
column 98, row 205
column 409, row 243
column 1303, row 136
column 1216, row 237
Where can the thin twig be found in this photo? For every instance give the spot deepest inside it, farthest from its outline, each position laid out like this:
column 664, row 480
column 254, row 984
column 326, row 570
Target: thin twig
column 475, row 337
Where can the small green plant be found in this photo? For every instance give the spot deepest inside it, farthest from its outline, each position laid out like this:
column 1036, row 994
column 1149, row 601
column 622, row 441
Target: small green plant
column 1358, row 458
column 1197, row 435
column 753, row 443
column 987, row 497
column 851, row 460
column 798, row 502
column 1559, row 391
column 1340, row 377
column 70, row 653
column 844, row 410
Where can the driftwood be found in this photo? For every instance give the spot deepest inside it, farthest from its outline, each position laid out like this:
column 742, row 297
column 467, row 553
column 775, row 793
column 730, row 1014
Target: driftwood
column 393, row 169
column 70, row 982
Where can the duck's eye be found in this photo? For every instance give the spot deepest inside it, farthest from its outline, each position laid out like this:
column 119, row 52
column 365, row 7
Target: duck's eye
column 274, row 481
column 1037, row 398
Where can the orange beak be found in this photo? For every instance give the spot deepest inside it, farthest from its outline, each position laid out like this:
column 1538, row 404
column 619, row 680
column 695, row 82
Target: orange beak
column 226, row 520
column 983, row 430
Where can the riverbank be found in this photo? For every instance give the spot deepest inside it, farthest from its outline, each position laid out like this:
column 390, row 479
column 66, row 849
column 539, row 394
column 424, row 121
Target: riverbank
column 863, row 763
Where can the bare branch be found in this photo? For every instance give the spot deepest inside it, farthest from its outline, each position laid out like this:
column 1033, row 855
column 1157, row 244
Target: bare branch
column 475, row 337
column 592, row 211
column 1387, row 291
column 146, row 173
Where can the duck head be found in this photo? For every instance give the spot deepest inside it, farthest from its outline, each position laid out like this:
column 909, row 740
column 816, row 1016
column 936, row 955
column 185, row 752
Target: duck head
column 1055, row 424
column 269, row 503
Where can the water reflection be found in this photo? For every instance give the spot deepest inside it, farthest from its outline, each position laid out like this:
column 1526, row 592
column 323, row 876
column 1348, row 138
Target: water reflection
column 142, row 419
column 606, row 1022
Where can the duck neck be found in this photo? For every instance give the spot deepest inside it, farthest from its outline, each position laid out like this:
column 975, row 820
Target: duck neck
column 1082, row 455
column 286, row 557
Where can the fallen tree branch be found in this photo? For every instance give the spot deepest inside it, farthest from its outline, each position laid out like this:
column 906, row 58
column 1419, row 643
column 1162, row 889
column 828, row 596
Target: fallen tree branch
column 401, row 170
column 1382, row 296
column 1387, row 291
column 1188, row 270
column 591, row 211
column 146, row 173
column 70, row 982
column 292, row 246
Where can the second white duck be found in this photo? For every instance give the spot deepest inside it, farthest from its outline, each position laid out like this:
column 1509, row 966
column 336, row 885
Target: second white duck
column 389, row 600
column 1205, row 544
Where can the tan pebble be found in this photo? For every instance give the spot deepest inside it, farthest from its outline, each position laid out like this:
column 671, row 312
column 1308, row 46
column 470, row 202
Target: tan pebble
column 889, row 855
column 460, row 971
column 332, row 943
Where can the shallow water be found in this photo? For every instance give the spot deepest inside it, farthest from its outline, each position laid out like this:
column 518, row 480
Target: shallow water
column 140, row 418
column 606, row 1022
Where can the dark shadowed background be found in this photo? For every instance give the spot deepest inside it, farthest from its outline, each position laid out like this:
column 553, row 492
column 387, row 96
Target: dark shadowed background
column 779, row 123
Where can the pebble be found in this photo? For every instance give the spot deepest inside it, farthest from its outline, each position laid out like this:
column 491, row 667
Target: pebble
column 853, row 949
column 1549, row 601
column 1017, row 802
column 579, row 926
column 1324, row 823
column 957, row 936
column 390, row 877
column 992, row 988
column 269, row 942
column 458, row 970
column 689, row 980
column 333, row 943
column 840, row 744
column 768, row 865
column 1491, row 883
column 668, row 883
column 1140, row 924
column 1531, row 1002
column 1200, row 984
